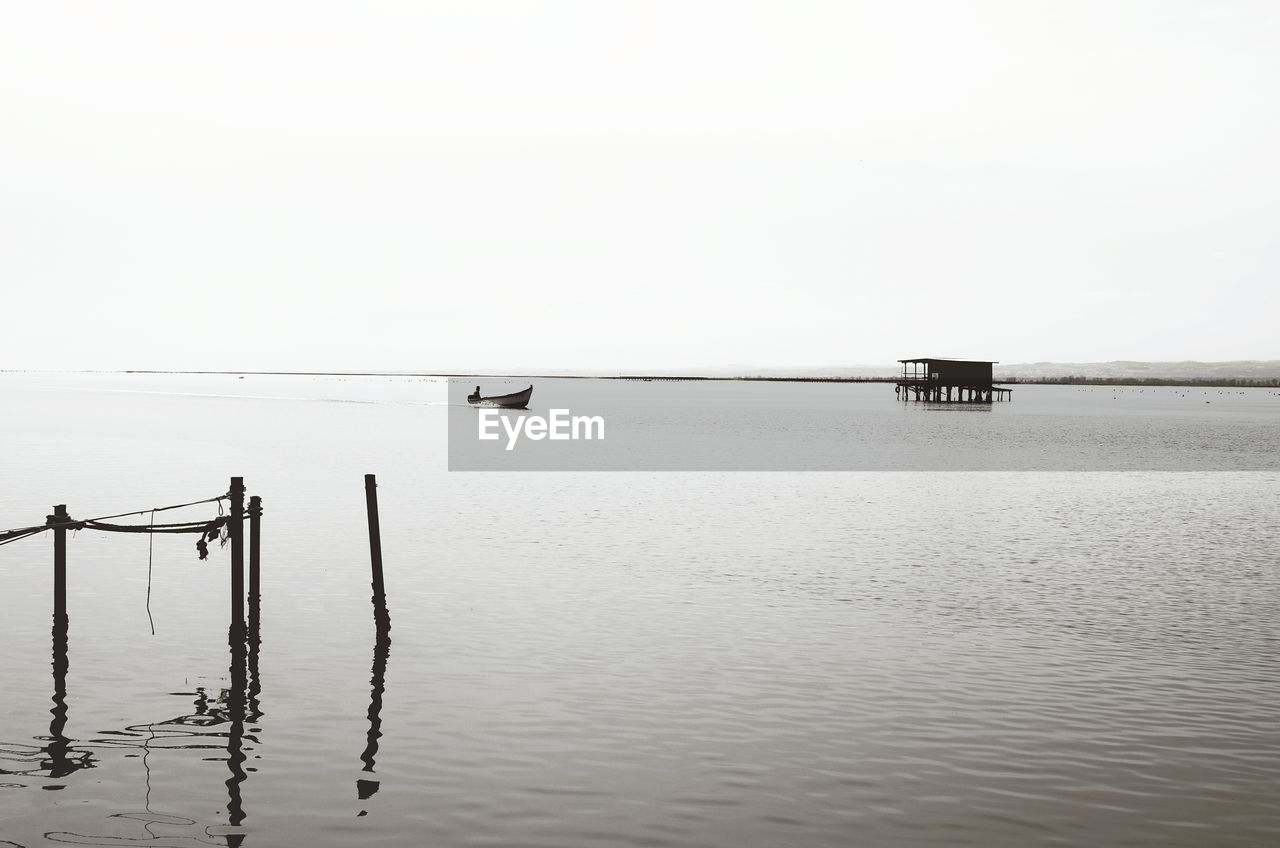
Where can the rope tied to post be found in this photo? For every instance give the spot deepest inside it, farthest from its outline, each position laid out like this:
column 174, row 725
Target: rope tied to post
column 179, row 527
column 226, row 527
column 217, row 528
column 51, row 522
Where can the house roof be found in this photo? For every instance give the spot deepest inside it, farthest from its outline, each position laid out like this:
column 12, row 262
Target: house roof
column 944, row 359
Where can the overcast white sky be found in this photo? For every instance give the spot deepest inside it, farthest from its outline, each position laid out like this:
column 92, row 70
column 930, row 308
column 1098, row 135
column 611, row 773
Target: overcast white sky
column 604, row 185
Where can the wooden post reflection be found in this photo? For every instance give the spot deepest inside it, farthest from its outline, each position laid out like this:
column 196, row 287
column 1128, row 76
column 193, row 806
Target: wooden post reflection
column 235, row 730
column 58, row 762
column 365, row 788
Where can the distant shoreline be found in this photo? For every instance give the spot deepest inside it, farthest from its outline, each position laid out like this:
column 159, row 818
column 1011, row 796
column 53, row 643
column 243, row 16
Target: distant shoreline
column 1192, row 382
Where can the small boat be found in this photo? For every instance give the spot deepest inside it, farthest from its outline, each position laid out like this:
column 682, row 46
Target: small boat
column 515, row 400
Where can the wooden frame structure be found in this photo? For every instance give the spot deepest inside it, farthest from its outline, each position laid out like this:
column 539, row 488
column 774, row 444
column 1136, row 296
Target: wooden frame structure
column 949, row 381
column 240, row 701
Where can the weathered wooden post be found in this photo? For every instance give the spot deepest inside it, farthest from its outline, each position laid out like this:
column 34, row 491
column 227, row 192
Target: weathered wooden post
column 375, row 538
column 238, row 672
column 60, row 520
column 59, row 746
column 255, row 543
column 237, row 554
column 255, row 605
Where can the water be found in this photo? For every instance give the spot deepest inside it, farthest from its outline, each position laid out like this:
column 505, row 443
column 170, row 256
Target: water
column 756, row 659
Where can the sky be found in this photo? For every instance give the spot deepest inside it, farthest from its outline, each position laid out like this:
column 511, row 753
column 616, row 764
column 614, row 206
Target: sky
column 607, row 186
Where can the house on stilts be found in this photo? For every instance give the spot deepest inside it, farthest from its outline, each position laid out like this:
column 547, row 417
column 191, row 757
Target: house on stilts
column 949, row 381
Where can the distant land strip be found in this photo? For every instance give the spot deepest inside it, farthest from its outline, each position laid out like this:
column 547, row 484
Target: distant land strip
column 1207, row 382
column 1079, row 380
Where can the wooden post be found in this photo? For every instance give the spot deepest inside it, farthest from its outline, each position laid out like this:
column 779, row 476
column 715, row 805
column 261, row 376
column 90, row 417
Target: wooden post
column 255, row 527
column 375, row 537
column 60, row 520
column 59, row 746
column 255, row 597
column 237, row 553
column 238, row 672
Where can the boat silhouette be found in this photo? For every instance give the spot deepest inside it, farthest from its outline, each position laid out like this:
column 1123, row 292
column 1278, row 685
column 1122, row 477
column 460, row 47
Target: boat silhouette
column 515, row 400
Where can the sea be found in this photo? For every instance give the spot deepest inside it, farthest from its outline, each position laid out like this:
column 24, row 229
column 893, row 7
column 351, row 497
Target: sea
column 775, row 614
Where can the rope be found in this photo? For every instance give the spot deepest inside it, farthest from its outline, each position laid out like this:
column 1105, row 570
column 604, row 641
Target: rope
column 76, row 525
column 181, row 527
column 14, row 535
column 208, row 530
column 160, row 508
column 7, row 536
column 151, row 546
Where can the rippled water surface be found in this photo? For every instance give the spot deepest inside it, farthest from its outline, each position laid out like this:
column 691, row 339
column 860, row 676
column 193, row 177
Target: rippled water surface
column 578, row 659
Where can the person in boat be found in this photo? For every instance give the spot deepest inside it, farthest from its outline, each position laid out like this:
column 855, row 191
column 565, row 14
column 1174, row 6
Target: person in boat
column 475, row 396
